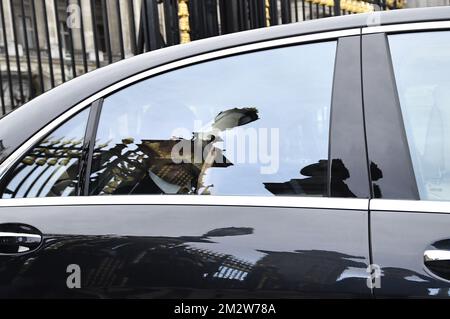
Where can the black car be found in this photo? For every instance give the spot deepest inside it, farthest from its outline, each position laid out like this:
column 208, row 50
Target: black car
column 320, row 150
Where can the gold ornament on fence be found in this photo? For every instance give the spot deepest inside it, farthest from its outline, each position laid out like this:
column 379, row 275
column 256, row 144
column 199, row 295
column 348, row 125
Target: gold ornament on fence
column 183, row 21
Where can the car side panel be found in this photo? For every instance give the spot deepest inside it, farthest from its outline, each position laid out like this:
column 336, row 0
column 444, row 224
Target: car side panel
column 190, row 252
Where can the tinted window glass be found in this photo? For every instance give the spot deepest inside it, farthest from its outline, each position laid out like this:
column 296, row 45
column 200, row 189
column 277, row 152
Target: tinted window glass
column 51, row 168
column 422, row 67
column 253, row 124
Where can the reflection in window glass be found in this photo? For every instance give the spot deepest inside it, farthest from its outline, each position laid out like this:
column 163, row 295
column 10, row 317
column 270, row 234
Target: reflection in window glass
column 51, row 168
column 422, row 67
column 253, row 124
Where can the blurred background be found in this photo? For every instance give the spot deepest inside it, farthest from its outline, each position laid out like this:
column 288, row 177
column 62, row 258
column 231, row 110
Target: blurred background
column 44, row 43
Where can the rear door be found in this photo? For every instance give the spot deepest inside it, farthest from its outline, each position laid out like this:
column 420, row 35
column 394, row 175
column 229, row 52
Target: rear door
column 407, row 104
column 242, row 176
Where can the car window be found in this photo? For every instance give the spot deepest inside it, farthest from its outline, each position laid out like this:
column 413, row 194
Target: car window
column 422, row 66
column 51, row 168
column 253, row 124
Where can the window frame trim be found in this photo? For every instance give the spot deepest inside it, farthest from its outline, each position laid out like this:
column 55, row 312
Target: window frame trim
column 347, row 130
column 406, row 27
column 409, row 206
column 353, row 204
column 88, row 147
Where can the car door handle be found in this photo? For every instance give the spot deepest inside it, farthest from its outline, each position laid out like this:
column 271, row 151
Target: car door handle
column 436, row 255
column 438, row 260
column 18, row 239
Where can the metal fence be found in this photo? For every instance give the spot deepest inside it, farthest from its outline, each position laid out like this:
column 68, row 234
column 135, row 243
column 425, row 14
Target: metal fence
column 44, row 43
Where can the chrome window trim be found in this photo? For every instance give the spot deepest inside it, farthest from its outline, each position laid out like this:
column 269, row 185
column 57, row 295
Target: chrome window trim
column 22, row 150
column 8, row 234
column 413, row 206
column 405, row 27
column 194, row 200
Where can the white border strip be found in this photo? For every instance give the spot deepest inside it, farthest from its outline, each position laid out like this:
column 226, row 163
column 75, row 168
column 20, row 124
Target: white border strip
column 194, row 200
column 21, row 151
column 20, row 235
column 407, row 27
column 418, row 206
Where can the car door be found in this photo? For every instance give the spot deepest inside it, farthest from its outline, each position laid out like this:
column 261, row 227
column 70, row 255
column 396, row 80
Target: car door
column 224, row 175
column 407, row 114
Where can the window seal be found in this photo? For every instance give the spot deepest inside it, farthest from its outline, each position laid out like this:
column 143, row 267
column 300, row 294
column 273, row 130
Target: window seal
column 88, row 147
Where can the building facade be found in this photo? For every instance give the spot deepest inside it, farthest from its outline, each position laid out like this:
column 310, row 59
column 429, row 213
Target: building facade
column 427, row 3
column 45, row 42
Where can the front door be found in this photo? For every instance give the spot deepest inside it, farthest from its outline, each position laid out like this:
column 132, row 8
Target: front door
column 238, row 177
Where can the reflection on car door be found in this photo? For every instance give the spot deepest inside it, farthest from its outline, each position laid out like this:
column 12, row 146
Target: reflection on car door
column 188, row 251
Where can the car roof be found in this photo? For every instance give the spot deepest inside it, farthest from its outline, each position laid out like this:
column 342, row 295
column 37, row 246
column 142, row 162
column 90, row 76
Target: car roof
column 35, row 114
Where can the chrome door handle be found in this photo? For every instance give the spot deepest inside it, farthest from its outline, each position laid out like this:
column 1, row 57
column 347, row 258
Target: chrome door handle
column 18, row 239
column 436, row 259
column 436, row 255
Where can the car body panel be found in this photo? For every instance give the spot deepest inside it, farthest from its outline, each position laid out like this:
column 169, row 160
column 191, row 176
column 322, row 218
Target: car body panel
column 199, row 248
column 399, row 240
column 190, row 251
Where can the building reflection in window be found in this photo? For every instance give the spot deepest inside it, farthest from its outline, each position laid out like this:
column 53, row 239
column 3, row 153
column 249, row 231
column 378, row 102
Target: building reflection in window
column 52, row 167
column 150, row 166
column 205, row 106
column 316, row 180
